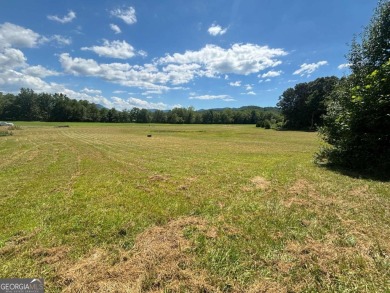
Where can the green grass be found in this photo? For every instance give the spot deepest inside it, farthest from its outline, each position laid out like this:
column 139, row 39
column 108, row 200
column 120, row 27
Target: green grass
column 66, row 192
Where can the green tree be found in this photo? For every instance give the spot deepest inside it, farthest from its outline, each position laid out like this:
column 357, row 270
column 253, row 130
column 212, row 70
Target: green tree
column 143, row 116
column 159, row 116
column 357, row 126
column 304, row 105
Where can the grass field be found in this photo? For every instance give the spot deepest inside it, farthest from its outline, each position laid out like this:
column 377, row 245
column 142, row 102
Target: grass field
column 194, row 208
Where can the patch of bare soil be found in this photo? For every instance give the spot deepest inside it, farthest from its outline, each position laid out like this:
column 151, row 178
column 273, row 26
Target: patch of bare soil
column 160, row 260
column 257, row 183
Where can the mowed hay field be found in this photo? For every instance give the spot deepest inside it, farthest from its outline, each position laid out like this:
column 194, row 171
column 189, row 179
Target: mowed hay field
column 194, row 208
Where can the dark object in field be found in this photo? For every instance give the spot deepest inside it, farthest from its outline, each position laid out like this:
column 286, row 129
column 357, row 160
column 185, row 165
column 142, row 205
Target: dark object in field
column 62, row 126
column 149, row 135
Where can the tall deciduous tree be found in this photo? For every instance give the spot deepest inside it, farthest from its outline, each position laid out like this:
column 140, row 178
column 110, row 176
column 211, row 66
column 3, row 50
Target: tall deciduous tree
column 304, row 105
column 357, row 125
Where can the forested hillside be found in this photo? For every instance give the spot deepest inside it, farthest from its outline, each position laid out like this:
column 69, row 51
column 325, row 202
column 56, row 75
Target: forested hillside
column 31, row 106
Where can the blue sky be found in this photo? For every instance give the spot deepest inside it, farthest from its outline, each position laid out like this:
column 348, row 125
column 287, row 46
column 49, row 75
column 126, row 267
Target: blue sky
column 161, row 54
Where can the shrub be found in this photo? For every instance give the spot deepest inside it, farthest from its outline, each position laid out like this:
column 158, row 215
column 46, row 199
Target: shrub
column 267, row 124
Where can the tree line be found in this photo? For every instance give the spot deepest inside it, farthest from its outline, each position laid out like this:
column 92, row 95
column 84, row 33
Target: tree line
column 31, row 106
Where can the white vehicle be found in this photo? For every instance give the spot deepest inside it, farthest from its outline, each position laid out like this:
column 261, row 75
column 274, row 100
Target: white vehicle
column 2, row 123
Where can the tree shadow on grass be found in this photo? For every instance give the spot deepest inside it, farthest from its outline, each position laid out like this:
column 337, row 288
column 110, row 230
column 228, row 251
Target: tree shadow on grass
column 369, row 174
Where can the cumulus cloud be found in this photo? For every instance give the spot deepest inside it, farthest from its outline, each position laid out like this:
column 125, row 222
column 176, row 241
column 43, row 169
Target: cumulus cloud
column 115, row 28
column 11, row 58
column 119, row 92
column 65, row 19
column 239, row 59
column 131, row 102
column 172, row 70
column 182, row 73
column 236, row 83
column 225, row 98
column 114, row 49
column 39, row 71
column 248, row 87
column 251, row 93
column 308, row 69
column 146, row 77
column 12, row 81
column 216, row 30
column 271, row 73
column 344, row 66
column 142, row 53
column 12, row 35
column 127, row 14
column 91, row 91
column 60, row 40
column 79, row 66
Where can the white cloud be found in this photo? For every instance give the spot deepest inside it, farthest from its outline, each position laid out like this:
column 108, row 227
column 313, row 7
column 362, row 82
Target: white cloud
column 216, row 30
column 142, row 53
column 11, row 58
column 239, row 59
column 131, row 102
column 225, row 98
column 79, row 66
column 12, row 35
column 182, row 73
column 236, row 83
column 97, row 99
column 308, row 69
column 271, row 73
column 60, row 40
column 115, row 28
column 118, row 92
column 67, row 18
column 114, row 49
column 127, row 14
column 145, row 77
column 251, row 93
column 172, row 70
column 344, row 66
column 91, row 91
column 248, row 87
column 39, row 71
column 12, row 81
